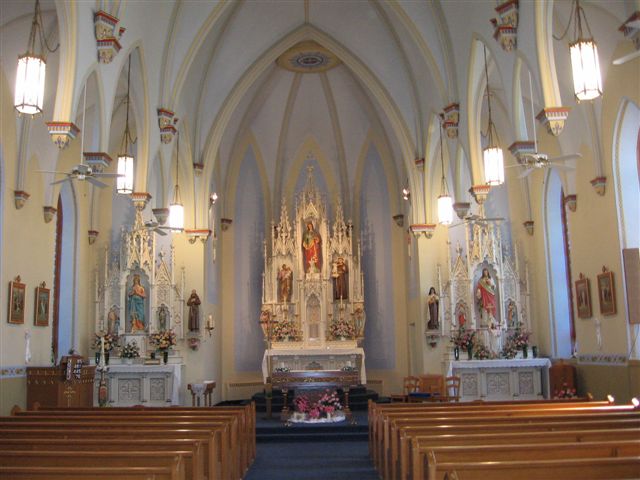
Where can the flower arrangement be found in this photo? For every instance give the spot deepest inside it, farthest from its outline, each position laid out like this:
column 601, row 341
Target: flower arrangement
column 284, row 330
column 163, row 340
column 565, row 392
column 130, row 350
column 509, row 350
column 342, row 329
column 464, row 338
column 110, row 342
column 482, row 352
column 519, row 338
column 326, row 405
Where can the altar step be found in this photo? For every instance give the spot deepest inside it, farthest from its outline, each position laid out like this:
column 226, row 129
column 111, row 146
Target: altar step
column 358, row 399
column 274, row 430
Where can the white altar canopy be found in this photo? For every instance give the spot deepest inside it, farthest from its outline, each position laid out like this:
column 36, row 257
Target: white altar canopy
column 328, row 359
column 514, row 379
column 150, row 385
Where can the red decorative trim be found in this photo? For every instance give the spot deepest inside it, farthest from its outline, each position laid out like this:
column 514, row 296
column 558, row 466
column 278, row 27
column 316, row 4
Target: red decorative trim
column 56, row 282
column 567, row 259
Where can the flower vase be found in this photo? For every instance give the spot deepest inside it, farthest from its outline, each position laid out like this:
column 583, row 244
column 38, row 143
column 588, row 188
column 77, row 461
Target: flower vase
column 470, row 353
column 456, row 353
column 97, row 358
column 128, row 361
column 165, row 356
column 525, row 352
column 343, row 338
column 106, row 358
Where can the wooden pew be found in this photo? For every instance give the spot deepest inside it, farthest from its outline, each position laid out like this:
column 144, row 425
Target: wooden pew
column 194, row 466
column 234, row 446
column 214, row 465
column 391, row 445
column 567, row 469
column 525, row 452
column 393, row 422
column 247, row 416
column 412, row 466
column 50, row 459
column 85, row 473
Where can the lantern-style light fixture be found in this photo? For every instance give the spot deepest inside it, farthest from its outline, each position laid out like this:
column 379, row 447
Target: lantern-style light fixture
column 585, row 66
column 492, row 153
column 445, row 202
column 176, row 209
column 30, row 76
column 125, row 159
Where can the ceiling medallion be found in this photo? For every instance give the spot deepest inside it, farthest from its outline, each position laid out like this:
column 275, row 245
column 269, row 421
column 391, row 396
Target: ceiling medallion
column 308, row 57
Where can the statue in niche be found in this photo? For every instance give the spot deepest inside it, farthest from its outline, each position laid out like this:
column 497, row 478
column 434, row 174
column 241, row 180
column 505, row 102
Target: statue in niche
column 433, row 303
column 340, row 274
column 113, row 320
column 194, row 311
column 486, row 297
column 285, row 284
column 137, row 296
column 163, row 316
column 512, row 315
column 312, row 249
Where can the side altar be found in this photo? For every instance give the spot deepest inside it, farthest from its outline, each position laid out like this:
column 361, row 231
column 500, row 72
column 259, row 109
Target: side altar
column 312, row 313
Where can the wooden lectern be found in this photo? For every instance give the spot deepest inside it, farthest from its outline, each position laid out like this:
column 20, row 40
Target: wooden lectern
column 69, row 384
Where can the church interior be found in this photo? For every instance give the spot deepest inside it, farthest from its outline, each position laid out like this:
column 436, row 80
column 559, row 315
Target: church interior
column 207, row 198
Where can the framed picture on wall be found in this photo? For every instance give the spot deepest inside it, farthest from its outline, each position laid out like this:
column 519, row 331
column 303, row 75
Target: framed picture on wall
column 16, row 301
column 41, row 310
column 583, row 297
column 606, row 293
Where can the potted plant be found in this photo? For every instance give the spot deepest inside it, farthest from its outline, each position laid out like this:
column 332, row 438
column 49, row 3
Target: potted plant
column 130, row 351
column 463, row 339
column 284, row 330
column 163, row 341
column 342, row 330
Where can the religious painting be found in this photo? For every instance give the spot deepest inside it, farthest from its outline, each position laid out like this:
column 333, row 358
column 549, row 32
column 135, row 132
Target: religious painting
column 16, row 301
column 606, row 293
column 41, row 311
column 583, row 297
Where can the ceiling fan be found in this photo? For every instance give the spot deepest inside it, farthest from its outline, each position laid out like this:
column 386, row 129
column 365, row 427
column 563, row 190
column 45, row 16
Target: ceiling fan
column 631, row 29
column 536, row 160
column 474, row 218
column 82, row 171
column 157, row 228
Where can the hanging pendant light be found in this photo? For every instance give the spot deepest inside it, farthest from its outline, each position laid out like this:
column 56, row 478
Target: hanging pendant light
column 30, row 75
column 176, row 209
column 492, row 154
column 585, row 66
column 125, row 159
column 445, row 202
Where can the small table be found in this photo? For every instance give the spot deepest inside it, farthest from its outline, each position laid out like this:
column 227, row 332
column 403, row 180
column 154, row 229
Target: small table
column 204, row 390
column 314, row 379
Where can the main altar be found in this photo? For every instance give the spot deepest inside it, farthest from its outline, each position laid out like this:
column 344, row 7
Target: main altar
column 312, row 314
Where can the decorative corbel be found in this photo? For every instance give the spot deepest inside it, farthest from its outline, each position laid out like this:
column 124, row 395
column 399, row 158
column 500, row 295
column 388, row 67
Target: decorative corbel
column 571, row 202
column 198, row 168
column 93, row 235
column 451, row 119
column 98, row 161
column 140, row 199
column 599, row 185
column 49, row 212
column 225, row 223
column 631, row 29
column 419, row 162
column 461, row 209
column 20, row 197
column 506, row 25
column 426, row 229
column 528, row 225
column 197, row 234
column 161, row 214
column 480, row 192
column 553, row 119
column 520, row 148
column 399, row 219
column 62, row 133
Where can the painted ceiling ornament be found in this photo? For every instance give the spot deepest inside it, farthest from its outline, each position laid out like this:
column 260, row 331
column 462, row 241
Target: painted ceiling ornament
column 308, row 57
column 553, row 119
column 451, row 119
column 599, row 184
column 506, row 25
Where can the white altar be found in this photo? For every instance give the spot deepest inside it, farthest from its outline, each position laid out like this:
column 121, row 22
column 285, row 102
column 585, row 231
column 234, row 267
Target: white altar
column 315, row 359
column 138, row 384
column 312, row 313
column 514, row 379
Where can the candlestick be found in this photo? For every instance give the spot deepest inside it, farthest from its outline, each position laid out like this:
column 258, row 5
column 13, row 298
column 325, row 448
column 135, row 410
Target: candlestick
column 102, row 359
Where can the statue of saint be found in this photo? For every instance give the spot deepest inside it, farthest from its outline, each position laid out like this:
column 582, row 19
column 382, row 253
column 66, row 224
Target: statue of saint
column 113, row 321
column 512, row 315
column 486, row 297
column 340, row 274
column 312, row 250
column 433, row 303
column 194, row 311
column 285, row 284
column 136, row 305
column 163, row 316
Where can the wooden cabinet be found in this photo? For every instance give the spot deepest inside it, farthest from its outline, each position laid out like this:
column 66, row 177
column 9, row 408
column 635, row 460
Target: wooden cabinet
column 65, row 385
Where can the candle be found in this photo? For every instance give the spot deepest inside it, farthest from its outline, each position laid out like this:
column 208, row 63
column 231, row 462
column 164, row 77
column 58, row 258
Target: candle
column 102, row 359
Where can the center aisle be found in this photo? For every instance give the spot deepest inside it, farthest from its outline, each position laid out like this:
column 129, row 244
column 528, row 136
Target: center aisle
column 318, row 452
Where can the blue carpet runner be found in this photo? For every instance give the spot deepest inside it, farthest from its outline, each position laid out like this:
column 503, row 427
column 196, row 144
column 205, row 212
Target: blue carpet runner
column 312, row 452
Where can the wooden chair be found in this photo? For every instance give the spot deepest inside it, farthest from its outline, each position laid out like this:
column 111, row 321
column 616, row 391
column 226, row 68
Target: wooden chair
column 451, row 389
column 409, row 385
column 430, row 388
